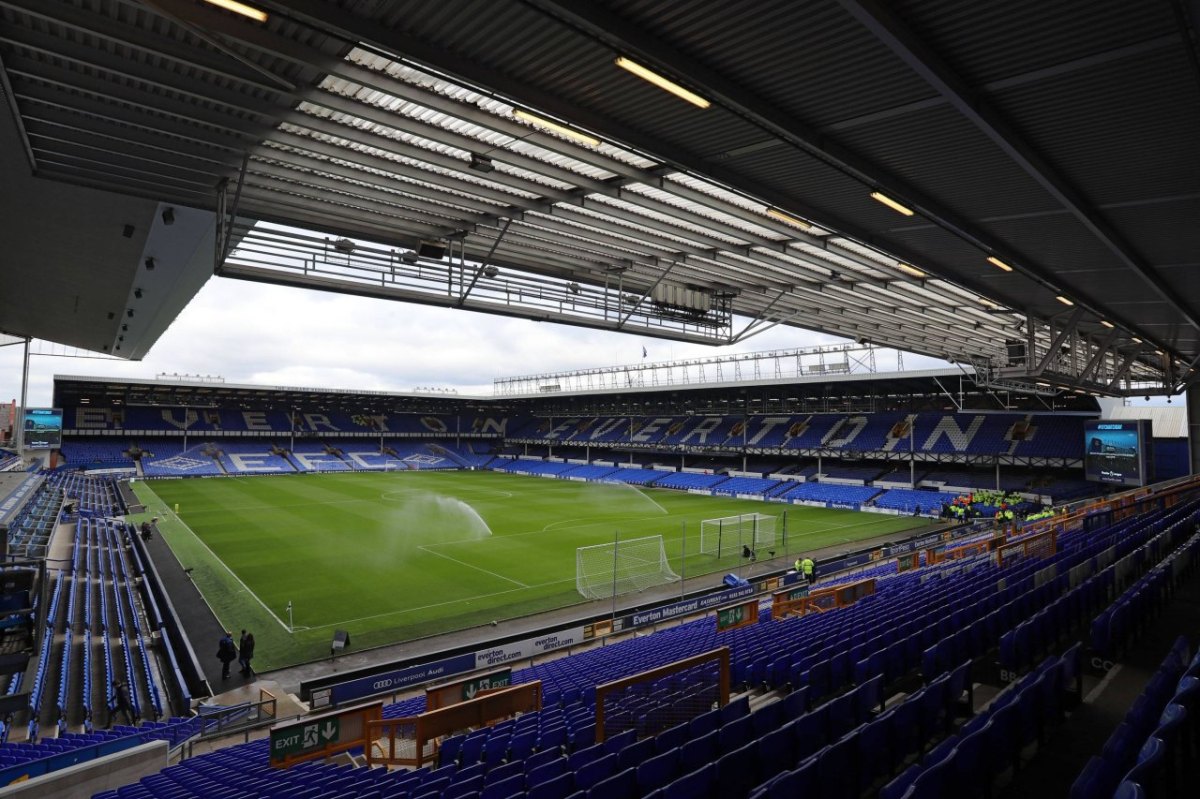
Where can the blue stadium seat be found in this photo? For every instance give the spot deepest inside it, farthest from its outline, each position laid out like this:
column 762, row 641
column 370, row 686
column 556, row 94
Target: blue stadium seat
column 737, row 772
column 504, row 788
column 699, row 784
column 657, row 771
column 559, row 787
column 622, row 785
column 699, row 751
column 637, row 753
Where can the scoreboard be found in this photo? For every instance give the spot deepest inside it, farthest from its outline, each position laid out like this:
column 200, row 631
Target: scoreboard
column 43, row 428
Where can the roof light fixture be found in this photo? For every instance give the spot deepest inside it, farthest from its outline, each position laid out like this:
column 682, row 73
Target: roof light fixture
column 890, row 203
column 1137, row 340
column 988, row 303
column 1107, row 324
column 240, row 8
column 562, row 130
column 1064, row 300
column 791, row 220
column 650, row 76
column 910, row 270
column 994, row 261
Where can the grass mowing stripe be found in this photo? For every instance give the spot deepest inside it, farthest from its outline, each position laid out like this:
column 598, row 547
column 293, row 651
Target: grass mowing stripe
column 172, row 515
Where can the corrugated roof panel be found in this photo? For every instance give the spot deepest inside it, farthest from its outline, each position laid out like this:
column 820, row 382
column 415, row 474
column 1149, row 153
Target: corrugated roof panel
column 1154, row 230
column 1170, row 422
column 990, row 41
column 471, row 98
column 703, row 210
column 1062, row 242
column 683, row 225
column 829, row 193
column 941, row 153
column 1119, row 131
column 833, row 67
column 433, row 169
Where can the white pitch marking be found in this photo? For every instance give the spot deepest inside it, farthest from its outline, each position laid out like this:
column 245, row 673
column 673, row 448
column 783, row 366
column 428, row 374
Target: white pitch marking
column 438, row 604
column 473, row 566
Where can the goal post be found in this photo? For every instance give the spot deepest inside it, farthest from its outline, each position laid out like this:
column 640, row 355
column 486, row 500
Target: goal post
column 728, row 534
column 622, row 567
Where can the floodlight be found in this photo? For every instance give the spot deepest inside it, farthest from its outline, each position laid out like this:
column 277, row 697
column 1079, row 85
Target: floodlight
column 666, row 84
column 240, row 8
column 481, row 164
column 890, row 203
column 150, row 264
column 137, row 293
column 168, row 216
column 343, row 245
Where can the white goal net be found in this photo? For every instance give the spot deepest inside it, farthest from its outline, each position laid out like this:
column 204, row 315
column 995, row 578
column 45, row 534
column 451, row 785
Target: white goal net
column 727, row 535
column 622, row 567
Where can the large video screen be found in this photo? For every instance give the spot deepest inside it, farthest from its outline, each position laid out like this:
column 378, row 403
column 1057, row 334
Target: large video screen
column 1115, row 451
column 43, row 428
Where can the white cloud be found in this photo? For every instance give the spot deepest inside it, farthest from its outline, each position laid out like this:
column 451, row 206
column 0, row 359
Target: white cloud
column 255, row 333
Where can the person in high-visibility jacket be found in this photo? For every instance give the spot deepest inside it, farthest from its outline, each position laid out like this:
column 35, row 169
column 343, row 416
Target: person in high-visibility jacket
column 806, row 568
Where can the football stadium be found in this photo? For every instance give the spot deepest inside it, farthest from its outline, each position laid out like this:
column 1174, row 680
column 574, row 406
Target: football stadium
column 765, row 572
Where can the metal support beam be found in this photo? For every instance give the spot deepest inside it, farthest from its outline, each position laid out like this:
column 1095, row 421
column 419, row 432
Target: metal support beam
column 483, row 264
column 1093, row 365
column 233, row 209
column 1052, row 351
column 1127, row 364
column 888, row 27
column 760, row 318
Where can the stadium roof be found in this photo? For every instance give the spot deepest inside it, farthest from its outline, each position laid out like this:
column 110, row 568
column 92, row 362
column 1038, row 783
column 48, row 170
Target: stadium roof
column 1056, row 139
column 950, row 389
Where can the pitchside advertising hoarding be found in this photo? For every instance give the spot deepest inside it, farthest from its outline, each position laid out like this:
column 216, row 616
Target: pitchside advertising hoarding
column 1117, row 451
column 43, row 428
column 400, row 679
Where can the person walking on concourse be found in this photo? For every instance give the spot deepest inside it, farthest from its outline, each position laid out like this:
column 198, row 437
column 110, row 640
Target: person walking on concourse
column 226, row 653
column 247, row 654
column 118, row 702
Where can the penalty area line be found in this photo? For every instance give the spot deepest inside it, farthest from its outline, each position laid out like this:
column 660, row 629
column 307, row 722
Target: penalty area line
column 423, row 548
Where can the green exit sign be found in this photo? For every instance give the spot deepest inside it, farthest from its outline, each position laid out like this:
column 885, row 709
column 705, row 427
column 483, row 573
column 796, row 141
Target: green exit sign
column 300, row 738
column 471, row 688
column 731, row 617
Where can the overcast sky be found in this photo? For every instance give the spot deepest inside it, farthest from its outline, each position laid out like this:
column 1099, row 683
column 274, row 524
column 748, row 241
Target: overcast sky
column 261, row 334
column 254, row 333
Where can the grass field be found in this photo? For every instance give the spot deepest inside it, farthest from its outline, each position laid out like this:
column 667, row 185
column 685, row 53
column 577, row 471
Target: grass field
column 394, row 556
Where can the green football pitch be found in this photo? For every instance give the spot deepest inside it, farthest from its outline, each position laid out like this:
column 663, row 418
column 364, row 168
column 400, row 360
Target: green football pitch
column 394, row 556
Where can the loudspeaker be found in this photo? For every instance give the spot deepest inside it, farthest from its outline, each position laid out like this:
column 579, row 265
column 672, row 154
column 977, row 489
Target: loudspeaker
column 431, row 249
column 1016, row 352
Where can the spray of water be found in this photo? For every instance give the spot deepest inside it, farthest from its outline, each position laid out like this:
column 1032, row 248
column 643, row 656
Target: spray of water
column 425, row 518
column 633, row 494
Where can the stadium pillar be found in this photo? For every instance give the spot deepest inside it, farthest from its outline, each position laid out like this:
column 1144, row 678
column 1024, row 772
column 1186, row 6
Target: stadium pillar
column 19, row 424
column 1193, row 421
